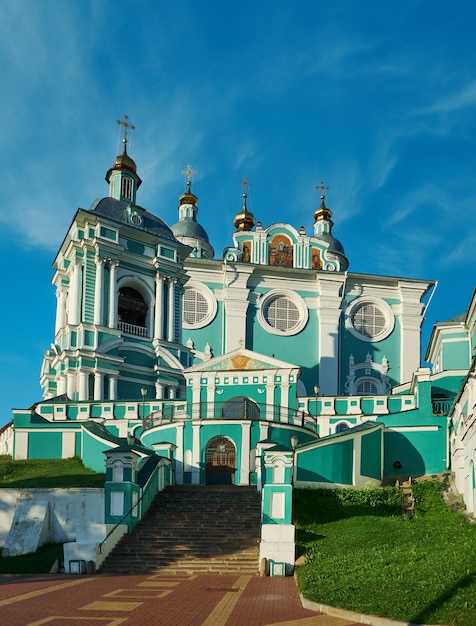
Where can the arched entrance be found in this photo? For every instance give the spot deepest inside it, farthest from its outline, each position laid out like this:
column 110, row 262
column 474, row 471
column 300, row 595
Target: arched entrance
column 220, row 460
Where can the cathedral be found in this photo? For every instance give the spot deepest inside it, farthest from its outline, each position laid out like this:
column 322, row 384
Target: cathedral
column 211, row 360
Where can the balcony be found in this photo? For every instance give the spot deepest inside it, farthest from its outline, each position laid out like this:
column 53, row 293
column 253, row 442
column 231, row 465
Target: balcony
column 131, row 329
column 205, row 411
column 442, row 407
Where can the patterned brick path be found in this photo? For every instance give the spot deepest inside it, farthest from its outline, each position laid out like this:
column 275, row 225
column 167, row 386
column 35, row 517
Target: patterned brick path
column 155, row 600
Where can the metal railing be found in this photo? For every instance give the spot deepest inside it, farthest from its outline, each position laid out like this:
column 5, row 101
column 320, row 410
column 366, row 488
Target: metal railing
column 208, row 411
column 132, row 329
column 442, row 407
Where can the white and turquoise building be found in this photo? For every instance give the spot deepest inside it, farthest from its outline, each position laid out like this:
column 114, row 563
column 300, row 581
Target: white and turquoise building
column 213, row 361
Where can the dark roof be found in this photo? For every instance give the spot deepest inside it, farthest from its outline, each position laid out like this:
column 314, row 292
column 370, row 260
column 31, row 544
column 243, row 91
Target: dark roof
column 457, row 318
column 189, row 228
column 334, row 244
column 116, row 210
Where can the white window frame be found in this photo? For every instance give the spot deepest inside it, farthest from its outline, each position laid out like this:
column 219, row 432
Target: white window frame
column 207, row 293
column 382, row 306
column 295, row 298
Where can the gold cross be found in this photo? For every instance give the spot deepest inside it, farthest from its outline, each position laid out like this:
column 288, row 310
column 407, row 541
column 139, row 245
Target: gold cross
column 323, row 188
column 189, row 172
column 126, row 126
column 245, row 184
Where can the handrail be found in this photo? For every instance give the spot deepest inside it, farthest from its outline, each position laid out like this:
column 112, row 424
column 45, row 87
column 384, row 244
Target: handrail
column 145, row 490
column 253, row 412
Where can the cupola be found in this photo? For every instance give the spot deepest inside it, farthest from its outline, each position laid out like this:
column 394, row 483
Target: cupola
column 244, row 220
column 187, row 230
column 122, row 177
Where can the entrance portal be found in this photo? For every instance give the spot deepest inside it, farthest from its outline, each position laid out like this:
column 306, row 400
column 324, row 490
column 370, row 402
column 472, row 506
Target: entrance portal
column 220, row 459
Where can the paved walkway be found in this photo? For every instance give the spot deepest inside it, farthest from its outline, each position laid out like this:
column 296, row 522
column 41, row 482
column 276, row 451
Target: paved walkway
column 155, row 600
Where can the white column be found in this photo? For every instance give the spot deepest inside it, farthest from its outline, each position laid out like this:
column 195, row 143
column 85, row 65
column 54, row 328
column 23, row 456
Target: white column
column 196, row 453
column 211, row 398
column 112, row 295
column 411, row 318
column 235, row 296
column 270, row 399
column 245, row 453
column 60, row 309
column 82, row 386
column 73, row 300
column 98, row 378
column 329, row 312
column 70, row 385
column 112, row 388
column 196, row 398
column 98, row 291
column 159, row 306
column 61, row 385
column 179, row 453
column 171, row 312
column 159, row 391
column 284, row 404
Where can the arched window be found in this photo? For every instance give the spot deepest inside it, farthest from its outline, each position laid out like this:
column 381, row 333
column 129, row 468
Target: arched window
column 132, row 308
column 341, row 426
column 220, row 460
column 91, row 387
column 240, row 408
column 367, row 387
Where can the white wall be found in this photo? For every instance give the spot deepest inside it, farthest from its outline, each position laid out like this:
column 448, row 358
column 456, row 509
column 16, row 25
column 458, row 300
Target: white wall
column 69, row 509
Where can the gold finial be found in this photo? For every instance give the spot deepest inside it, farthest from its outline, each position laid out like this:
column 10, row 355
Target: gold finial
column 322, row 213
column 323, row 188
column 188, row 173
column 244, row 220
column 125, row 124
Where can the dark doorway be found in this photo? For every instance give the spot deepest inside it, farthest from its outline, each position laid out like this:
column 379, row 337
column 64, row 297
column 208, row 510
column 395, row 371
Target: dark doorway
column 220, row 460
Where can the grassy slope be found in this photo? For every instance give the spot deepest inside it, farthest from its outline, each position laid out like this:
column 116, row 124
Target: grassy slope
column 373, row 560
column 47, row 473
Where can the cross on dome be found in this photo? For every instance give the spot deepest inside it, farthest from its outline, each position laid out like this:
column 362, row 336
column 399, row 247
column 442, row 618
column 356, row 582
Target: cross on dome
column 189, row 173
column 245, row 184
column 125, row 124
column 323, row 188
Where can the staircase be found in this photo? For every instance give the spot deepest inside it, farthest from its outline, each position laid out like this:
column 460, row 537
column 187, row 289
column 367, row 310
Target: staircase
column 192, row 530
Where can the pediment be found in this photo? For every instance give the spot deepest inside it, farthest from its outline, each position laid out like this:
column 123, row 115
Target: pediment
column 239, row 360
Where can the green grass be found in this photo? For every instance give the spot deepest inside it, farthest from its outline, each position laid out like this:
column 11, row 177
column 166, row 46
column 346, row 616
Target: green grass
column 39, row 562
column 368, row 557
column 47, row 473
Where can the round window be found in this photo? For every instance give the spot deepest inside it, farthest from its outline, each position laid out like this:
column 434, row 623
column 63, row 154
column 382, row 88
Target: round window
column 370, row 321
column 281, row 313
column 195, row 307
column 198, row 307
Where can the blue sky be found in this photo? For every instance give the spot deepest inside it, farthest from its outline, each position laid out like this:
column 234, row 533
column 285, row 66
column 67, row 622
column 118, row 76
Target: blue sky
column 376, row 99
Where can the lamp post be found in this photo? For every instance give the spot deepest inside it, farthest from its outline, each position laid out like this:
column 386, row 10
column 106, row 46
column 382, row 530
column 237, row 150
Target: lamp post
column 143, row 392
column 316, row 394
column 294, row 443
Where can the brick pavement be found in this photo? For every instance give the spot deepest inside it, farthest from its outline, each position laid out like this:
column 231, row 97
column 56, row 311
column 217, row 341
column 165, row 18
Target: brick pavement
column 155, row 600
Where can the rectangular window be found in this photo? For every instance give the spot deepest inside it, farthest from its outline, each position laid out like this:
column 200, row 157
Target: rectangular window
column 167, row 253
column 117, row 503
column 108, row 233
column 277, row 505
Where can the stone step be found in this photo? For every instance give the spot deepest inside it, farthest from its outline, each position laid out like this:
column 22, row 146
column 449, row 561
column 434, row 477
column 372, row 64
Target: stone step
column 193, row 530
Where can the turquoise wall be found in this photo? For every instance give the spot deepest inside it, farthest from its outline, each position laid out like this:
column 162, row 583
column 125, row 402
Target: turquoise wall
column 371, row 455
column 331, row 463
column 418, row 452
column 45, row 445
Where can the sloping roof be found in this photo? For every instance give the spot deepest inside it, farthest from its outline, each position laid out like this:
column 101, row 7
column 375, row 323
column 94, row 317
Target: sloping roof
column 116, row 210
column 240, row 359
